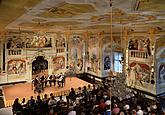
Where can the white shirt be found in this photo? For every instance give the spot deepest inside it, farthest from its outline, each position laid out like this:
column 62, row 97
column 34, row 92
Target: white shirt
column 72, row 113
column 139, row 112
column 60, row 79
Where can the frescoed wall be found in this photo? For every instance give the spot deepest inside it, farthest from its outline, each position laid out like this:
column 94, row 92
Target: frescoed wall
column 107, row 63
column 140, row 70
column 16, row 66
column 93, row 61
column 161, row 75
column 60, row 41
column 106, row 56
column 141, row 43
column 58, row 63
column 139, row 73
column 76, row 52
column 29, row 40
column 38, row 41
column 160, row 64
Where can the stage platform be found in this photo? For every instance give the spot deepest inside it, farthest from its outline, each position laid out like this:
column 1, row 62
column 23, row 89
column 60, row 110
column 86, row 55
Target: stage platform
column 24, row 90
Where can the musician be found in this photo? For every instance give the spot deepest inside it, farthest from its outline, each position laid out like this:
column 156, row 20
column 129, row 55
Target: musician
column 60, row 80
column 46, row 81
column 50, row 80
column 35, row 82
column 54, row 80
column 42, row 82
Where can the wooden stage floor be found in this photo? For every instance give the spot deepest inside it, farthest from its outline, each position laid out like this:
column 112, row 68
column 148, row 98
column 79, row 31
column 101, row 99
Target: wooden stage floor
column 24, row 90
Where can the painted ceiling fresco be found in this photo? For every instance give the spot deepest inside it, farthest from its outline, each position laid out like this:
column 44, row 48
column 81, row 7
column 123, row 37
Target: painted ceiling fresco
column 80, row 14
column 66, row 10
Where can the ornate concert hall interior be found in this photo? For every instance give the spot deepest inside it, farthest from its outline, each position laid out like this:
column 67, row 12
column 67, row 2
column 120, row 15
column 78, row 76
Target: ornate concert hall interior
column 118, row 45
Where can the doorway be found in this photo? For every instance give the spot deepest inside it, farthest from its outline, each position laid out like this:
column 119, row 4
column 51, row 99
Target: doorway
column 39, row 67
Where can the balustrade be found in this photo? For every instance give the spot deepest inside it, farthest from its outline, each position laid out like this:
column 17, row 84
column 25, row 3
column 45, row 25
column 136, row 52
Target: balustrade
column 15, row 52
column 60, row 50
column 138, row 54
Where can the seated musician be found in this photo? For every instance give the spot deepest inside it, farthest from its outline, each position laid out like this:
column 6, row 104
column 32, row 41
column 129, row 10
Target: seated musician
column 60, row 80
column 50, row 80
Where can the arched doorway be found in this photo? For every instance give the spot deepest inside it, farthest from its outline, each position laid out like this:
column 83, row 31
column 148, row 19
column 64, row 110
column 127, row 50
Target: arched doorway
column 39, row 67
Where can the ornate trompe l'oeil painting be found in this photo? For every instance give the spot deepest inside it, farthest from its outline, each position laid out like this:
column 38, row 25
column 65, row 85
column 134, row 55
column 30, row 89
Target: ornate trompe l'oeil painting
column 16, row 66
column 93, row 49
column 76, row 52
column 59, row 63
column 29, row 41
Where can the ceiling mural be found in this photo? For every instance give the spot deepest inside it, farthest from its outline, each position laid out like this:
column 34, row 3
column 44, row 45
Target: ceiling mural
column 80, row 14
column 152, row 5
column 66, row 10
column 10, row 10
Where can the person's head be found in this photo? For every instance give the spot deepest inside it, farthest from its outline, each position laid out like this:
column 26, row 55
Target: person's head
column 134, row 112
column 115, row 105
column 72, row 89
column 126, row 107
column 89, row 86
column 23, row 100
column 108, row 107
column 45, row 96
column 102, row 101
column 85, row 87
column 138, row 107
column 52, row 97
column 51, row 94
column 16, row 100
column 79, row 88
column 31, row 97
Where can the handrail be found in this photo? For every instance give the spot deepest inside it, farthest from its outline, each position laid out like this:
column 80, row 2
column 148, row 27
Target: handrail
column 138, row 54
column 14, row 51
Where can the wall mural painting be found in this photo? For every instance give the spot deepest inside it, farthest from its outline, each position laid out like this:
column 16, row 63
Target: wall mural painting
column 60, row 41
column 161, row 76
column 76, row 53
column 139, row 73
column 107, row 63
column 141, row 44
column 80, row 65
column 93, row 49
column 159, row 44
column 29, row 41
column 38, row 41
column 16, row 66
column 15, row 42
column 59, row 63
column 107, row 57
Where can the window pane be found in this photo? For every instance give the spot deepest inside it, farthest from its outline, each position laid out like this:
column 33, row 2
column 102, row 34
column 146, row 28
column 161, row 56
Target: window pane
column 117, row 64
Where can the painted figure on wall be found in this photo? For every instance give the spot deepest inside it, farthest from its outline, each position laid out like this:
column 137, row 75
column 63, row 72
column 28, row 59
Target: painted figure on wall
column 93, row 49
column 107, row 63
column 60, row 42
column 16, row 66
column 80, row 64
column 15, row 42
column 38, row 42
column 139, row 73
column 161, row 74
column 59, row 63
column 29, row 41
column 141, row 44
column 76, row 52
